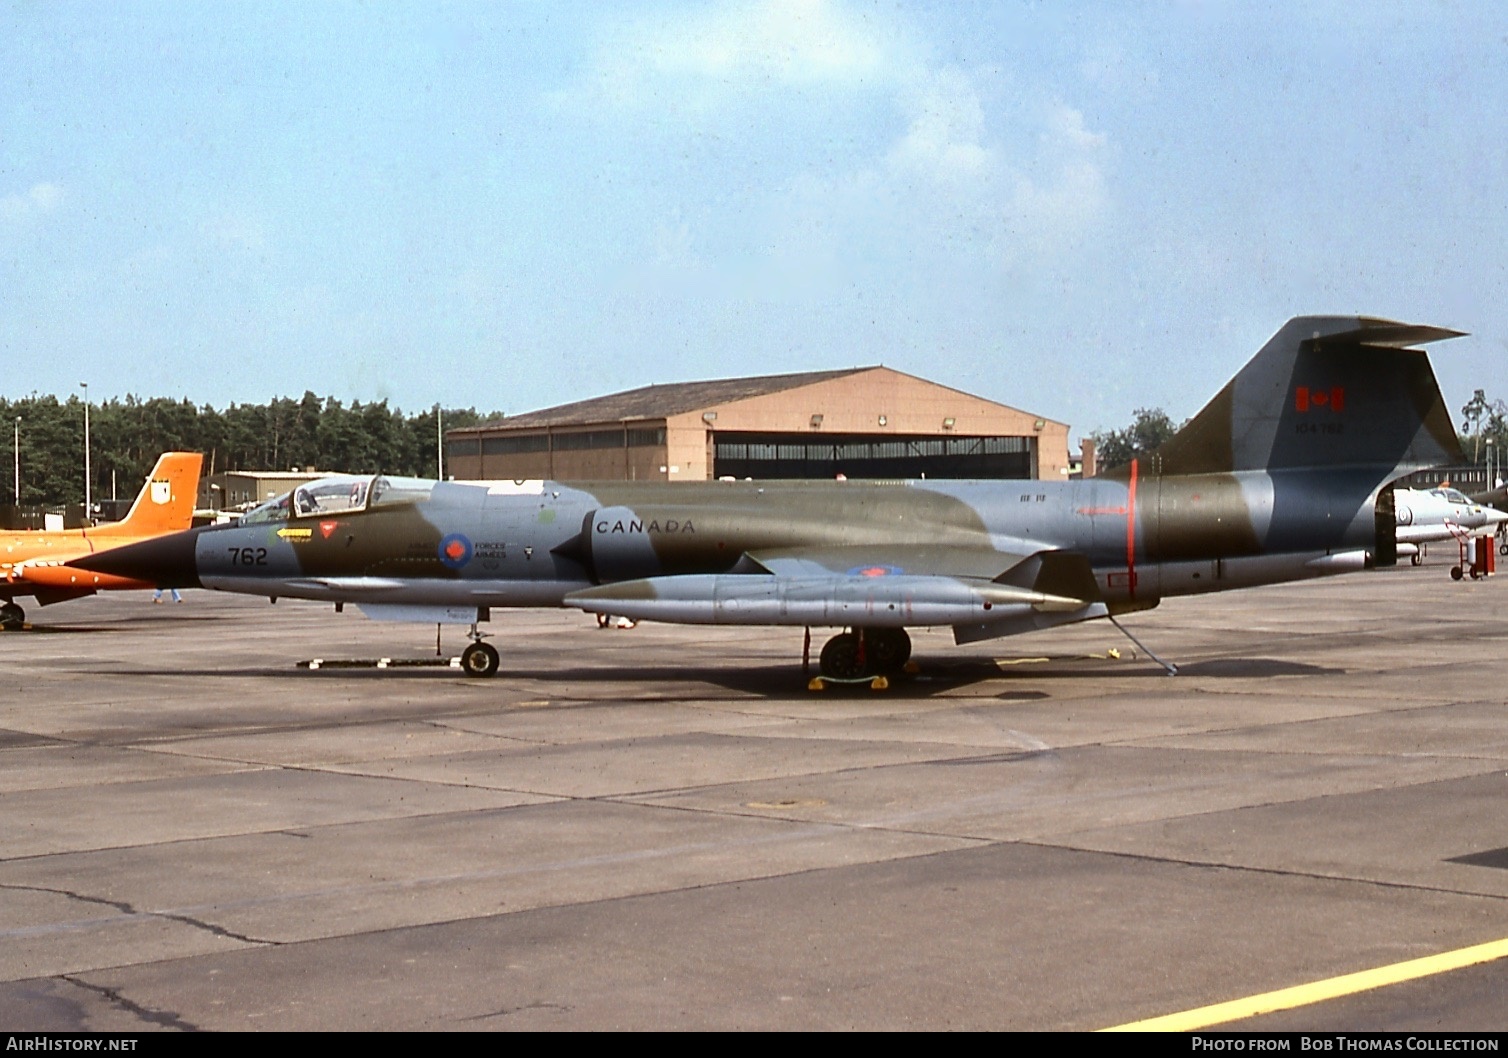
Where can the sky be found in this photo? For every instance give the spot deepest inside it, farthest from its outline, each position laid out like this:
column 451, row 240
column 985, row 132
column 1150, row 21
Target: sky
column 1078, row 209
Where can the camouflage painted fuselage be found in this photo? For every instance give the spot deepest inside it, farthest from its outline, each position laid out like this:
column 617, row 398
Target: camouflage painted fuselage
column 1283, row 475
column 534, row 543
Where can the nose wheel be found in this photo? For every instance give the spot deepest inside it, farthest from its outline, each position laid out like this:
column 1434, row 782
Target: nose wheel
column 479, row 659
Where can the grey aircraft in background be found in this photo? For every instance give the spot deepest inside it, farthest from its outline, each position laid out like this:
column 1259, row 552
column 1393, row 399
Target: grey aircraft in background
column 1286, row 474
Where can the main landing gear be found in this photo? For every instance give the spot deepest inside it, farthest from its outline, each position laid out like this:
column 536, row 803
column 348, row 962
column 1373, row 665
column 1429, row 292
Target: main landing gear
column 12, row 616
column 865, row 653
column 479, row 659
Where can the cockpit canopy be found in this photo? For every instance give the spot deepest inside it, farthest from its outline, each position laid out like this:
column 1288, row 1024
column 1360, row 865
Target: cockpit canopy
column 340, row 494
column 1450, row 495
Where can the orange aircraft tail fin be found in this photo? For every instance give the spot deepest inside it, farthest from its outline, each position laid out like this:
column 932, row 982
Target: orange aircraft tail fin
column 166, row 502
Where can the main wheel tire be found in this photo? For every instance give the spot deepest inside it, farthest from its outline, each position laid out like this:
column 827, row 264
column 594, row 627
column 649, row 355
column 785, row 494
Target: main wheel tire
column 1455, row 573
column 889, row 649
column 842, row 660
column 480, row 660
column 12, row 616
column 1416, row 559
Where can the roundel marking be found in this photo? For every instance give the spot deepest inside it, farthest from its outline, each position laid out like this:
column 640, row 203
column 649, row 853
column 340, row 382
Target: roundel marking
column 455, row 551
column 875, row 571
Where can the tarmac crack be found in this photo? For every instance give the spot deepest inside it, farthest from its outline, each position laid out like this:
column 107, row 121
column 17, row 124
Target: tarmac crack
column 118, row 905
column 563, row 1008
column 1278, row 872
column 131, row 911
column 451, row 727
column 1288, row 725
column 155, row 1017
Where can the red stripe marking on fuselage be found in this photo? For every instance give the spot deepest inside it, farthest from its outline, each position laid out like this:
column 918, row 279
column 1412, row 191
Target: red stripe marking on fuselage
column 1131, row 532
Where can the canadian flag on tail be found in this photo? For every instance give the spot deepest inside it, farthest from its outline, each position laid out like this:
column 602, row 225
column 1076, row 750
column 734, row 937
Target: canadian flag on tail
column 1305, row 398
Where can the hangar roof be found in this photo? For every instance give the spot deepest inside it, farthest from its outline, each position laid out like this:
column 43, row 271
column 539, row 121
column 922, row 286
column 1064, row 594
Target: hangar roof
column 660, row 401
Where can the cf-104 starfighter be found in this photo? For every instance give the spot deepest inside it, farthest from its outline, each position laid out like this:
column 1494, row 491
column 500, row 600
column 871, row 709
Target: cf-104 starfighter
column 1284, row 475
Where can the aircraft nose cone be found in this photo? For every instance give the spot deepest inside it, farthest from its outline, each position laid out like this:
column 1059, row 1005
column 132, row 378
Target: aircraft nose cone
column 165, row 561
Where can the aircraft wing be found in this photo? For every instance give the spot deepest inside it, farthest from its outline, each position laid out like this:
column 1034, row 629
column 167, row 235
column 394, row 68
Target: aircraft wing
column 882, row 560
column 981, row 592
column 356, row 586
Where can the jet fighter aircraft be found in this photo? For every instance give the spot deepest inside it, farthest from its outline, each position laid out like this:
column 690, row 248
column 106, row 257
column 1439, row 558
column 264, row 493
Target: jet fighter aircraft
column 1493, row 497
column 1284, row 475
column 32, row 562
column 1428, row 515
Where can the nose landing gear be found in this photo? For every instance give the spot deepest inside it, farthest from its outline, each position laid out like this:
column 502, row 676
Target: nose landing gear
column 479, row 659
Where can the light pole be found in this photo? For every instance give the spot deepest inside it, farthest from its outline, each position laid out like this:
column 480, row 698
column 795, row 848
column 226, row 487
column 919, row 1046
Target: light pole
column 88, row 481
column 18, row 460
column 439, row 445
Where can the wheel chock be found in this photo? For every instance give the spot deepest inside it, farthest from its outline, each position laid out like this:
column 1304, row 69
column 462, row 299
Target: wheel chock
column 874, row 683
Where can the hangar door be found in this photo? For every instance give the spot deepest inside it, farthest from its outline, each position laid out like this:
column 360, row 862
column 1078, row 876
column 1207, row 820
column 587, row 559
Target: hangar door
column 774, row 456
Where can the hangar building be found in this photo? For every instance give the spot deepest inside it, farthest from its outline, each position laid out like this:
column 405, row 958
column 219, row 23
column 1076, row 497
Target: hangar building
column 863, row 422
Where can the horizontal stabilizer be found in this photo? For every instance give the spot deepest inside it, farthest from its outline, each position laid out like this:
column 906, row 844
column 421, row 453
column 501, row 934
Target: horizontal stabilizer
column 1388, row 334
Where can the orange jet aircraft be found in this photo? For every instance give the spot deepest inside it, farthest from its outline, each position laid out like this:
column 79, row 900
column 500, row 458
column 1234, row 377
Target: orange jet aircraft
column 31, row 562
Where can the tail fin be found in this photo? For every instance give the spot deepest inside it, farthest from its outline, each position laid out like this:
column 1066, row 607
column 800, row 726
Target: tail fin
column 166, row 502
column 1325, row 391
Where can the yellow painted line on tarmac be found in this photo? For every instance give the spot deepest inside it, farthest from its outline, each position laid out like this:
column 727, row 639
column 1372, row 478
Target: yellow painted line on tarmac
column 1318, row 991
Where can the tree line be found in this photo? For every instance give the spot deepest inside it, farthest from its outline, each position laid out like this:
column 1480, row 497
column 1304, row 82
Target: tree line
column 1484, row 430
column 1149, row 428
column 127, row 435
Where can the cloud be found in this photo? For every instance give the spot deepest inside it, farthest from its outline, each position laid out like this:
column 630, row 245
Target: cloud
column 973, row 176
column 1065, row 126
column 959, row 166
column 697, row 60
column 1061, row 206
column 42, row 198
column 788, row 41
column 943, row 142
